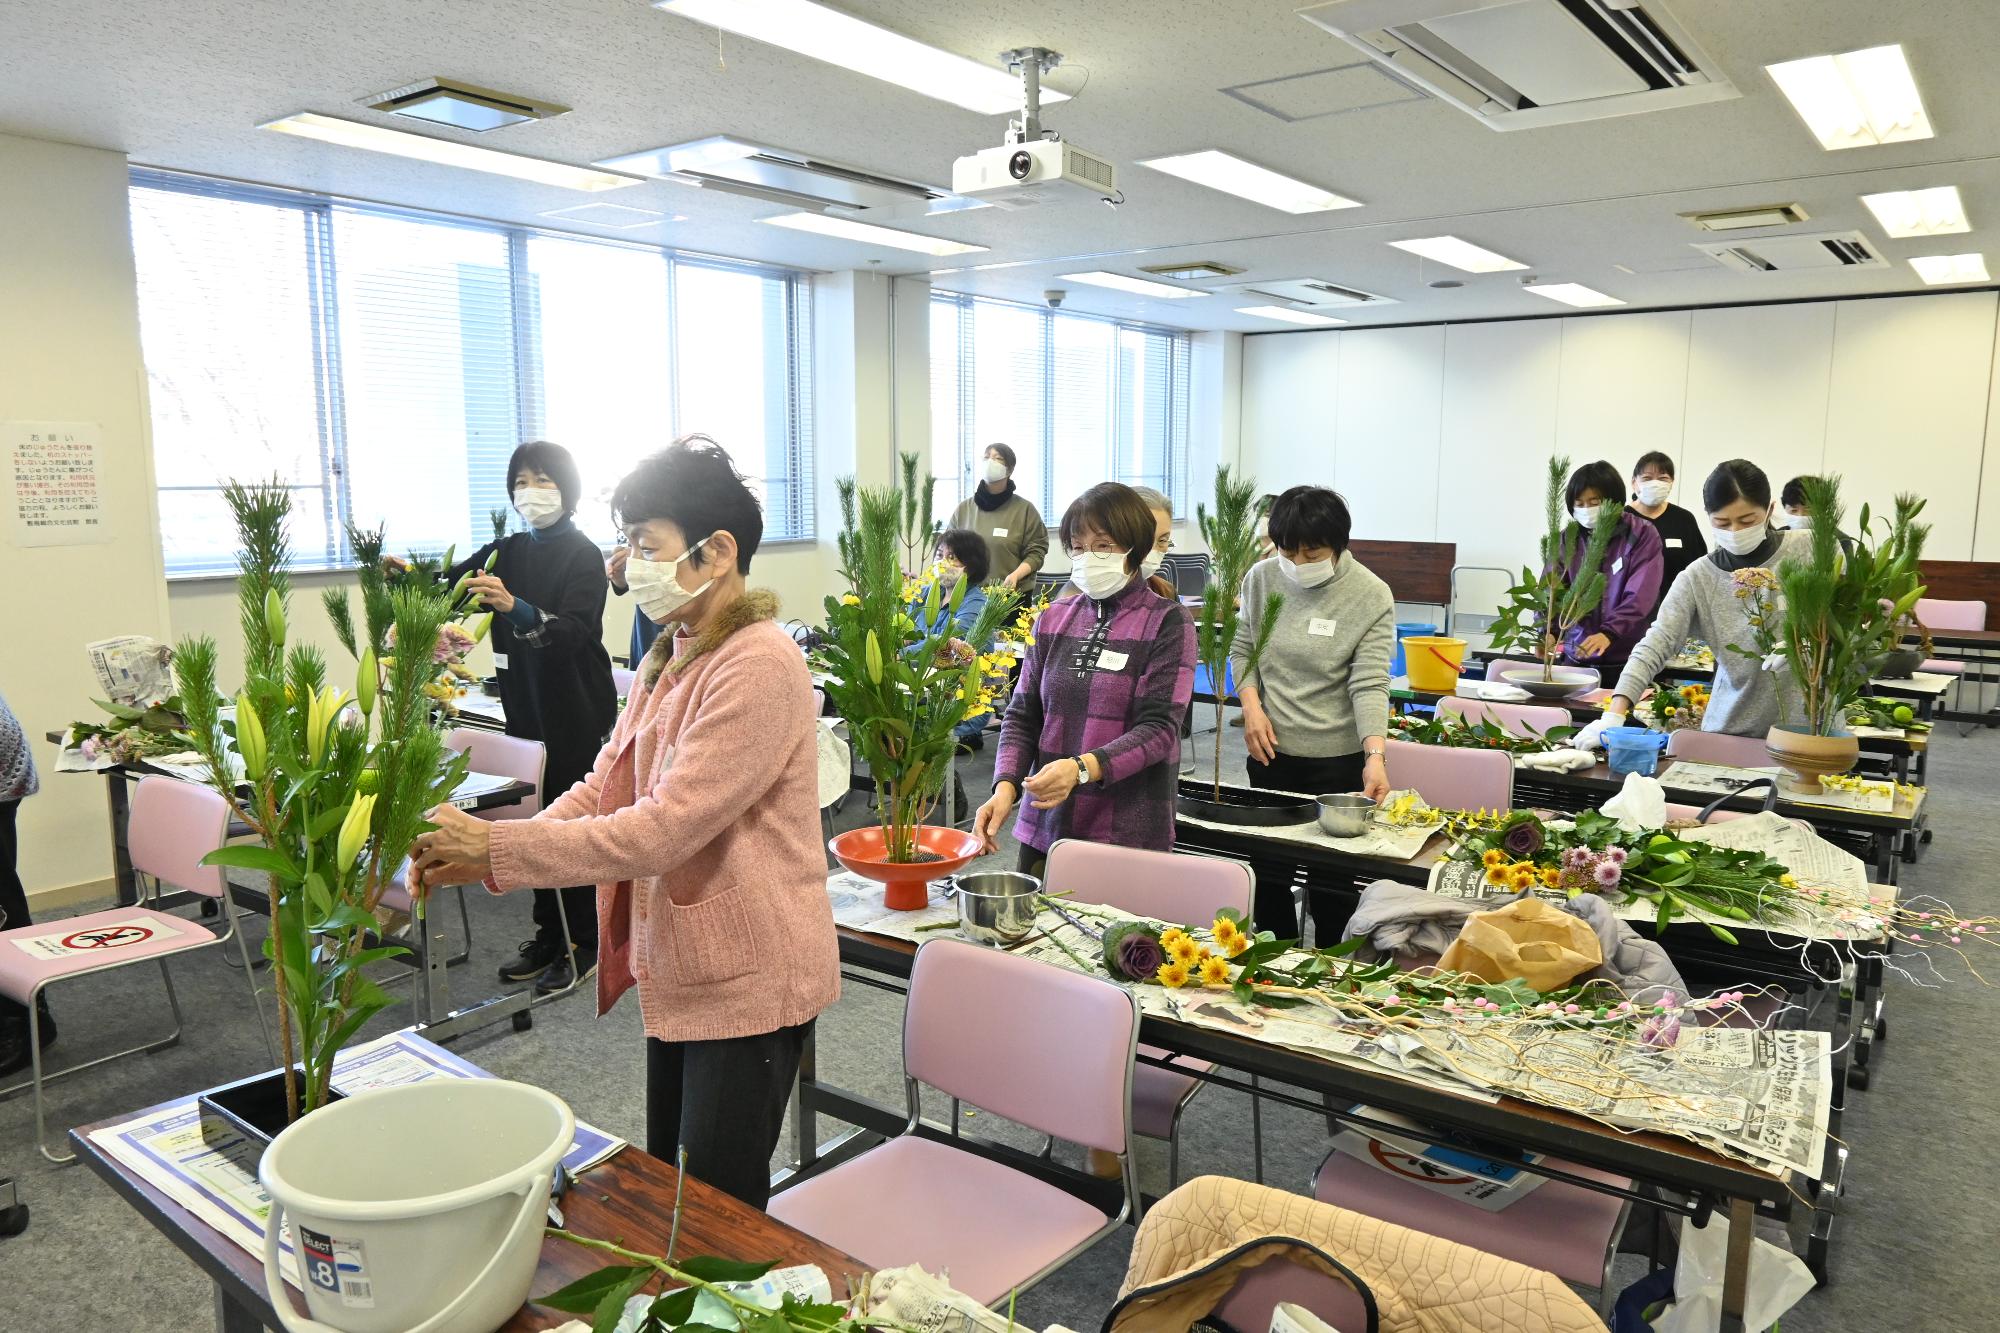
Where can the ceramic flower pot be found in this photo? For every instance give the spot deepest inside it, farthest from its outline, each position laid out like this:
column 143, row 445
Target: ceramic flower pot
column 1806, row 758
column 905, row 884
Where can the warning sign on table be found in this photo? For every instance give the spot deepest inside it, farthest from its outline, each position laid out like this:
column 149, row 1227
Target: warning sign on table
column 104, row 937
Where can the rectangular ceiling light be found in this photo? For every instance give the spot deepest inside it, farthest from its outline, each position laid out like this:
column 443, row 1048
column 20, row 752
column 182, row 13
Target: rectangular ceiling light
column 1937, row 270
column 1571, row 293
column 1937, row 211
column 1857, row 99
column 1119, row 282
column 1289, row 315
column 446, row 152
column 1459, row 254
column 841, row 39
column 868, row 233
column 1246, row 180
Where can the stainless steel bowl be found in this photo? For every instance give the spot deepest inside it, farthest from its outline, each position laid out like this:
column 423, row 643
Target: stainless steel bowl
column 995, row 907
column 1344, row 815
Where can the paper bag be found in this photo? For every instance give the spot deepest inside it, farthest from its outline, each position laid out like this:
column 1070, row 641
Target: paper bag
column 1529, row 938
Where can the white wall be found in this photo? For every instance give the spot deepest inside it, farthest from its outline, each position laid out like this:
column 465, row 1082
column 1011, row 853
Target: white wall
column 69, row 351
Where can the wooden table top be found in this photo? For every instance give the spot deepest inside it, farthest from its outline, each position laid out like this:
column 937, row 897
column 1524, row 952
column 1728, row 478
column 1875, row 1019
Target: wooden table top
column 628, row 1199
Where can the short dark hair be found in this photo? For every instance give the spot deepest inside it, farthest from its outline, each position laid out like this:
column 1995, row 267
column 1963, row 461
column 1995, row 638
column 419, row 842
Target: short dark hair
column 969, row 549
column 552, row 461
column 693, row 484
column 1653, row 459
column 1600, row 477
column 1114, row 509
column 1006, row 454
column 1737, row 479
column 1795, row 491
column 1310, row 516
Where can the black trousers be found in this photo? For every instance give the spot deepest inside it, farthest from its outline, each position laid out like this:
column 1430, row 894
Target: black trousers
column 13, row 897
column 579, row 902
column 724, row 1101
column 1274, row 909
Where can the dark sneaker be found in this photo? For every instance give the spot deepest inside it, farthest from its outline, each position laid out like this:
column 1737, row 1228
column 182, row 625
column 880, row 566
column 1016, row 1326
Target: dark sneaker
column 535, row 958
column 560, row 975
column 972, row 744
column 962, row 808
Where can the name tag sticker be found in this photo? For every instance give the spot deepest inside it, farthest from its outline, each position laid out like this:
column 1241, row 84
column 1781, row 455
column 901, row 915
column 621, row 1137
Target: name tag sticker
column 499, row 661
column 1110, row 661
column 1674, row 542
column 1618, row 564
column 1324, row 628
column 999, row 532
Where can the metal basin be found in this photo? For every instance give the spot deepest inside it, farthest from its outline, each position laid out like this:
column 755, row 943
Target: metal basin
column 1344, row 814
column 996, row 907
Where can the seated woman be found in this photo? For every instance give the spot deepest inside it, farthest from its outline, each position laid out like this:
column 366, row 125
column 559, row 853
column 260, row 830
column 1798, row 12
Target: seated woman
column 1316, row 709
column 1632, row 566
column 1092, row 733
column 1703, row 604
column 699, row 822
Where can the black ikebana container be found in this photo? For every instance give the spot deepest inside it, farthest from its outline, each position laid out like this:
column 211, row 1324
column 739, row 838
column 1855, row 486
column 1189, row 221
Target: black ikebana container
column 253, row 1108
column 1244, row 806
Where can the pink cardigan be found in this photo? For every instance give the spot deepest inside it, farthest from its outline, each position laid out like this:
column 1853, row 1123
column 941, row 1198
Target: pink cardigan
column 699, row 824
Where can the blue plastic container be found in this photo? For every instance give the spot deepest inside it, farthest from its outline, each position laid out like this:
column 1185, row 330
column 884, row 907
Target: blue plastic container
column 1397, row 665
column 1633, row 750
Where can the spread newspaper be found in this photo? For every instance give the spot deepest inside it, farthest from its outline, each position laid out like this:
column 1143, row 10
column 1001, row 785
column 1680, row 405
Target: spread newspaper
column 1389, row 841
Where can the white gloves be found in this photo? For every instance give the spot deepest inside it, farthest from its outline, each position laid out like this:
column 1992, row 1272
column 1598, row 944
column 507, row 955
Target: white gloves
column 1592, row 736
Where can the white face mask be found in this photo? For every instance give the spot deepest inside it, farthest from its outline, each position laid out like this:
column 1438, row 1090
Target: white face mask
column 1308, row 575
column 1151, row 564
column 1586, row 515
column 539, row 505
column 1800, row 522
column 1741, row 541
column 949, row 575
column 1654, row 492
column 1099, row 573
column 654, row 587
column 996, row 471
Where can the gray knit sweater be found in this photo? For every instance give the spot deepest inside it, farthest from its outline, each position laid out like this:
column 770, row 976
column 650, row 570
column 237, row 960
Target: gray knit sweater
column 1324, row 677
column 17, row 759
column 1702, row 604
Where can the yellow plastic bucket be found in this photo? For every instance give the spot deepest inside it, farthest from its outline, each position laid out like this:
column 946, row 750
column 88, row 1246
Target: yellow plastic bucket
column 1434, row 661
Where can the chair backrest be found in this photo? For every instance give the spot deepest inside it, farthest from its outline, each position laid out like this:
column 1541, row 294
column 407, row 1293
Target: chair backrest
column 1521, row 719
column 621, row 680
column 1174, row 887
column 1951, row 615
column 1041, row 1045
column 1452, row 777
column 1188, row 573
column 173, row 825
column 1717, row 747
column 504, row 757
column 1500, row 664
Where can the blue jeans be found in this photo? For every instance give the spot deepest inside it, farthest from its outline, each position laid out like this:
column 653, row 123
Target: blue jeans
column 971, row 727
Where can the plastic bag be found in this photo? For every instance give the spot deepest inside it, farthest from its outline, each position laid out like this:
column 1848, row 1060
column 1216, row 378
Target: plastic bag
column 1529, row 938
column 1778, row 1279
column 836, row 768
column 1639, row 805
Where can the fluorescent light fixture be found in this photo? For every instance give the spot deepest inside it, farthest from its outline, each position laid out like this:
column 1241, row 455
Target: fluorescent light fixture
column 1289, row 315
column 868, row 233
column 1856, row 99
column 446, row 152
column 1937, row 270
column 1246, row 180
column 841, row 39
column 1937, row 211
column 1459, row 254
column 1119, row 282
column 1570, row 293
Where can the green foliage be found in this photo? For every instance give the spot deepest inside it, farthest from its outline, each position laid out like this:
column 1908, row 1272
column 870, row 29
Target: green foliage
column 498, row 518
column 1448, row 729
column 1230, row 533
column 1543, row 607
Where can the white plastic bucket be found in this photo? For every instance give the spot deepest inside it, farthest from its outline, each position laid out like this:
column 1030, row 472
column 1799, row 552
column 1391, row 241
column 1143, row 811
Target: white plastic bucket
column 416, row 1209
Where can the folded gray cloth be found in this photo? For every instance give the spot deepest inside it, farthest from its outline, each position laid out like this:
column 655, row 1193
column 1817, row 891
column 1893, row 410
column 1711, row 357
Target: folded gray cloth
column 1401, row 918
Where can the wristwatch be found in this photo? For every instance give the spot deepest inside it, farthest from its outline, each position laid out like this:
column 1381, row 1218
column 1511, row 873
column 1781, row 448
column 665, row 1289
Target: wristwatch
column 1082, row 769
column 1373, row 754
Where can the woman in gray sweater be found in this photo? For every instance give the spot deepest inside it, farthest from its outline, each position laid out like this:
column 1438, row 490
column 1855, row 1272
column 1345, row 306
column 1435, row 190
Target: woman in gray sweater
column 1017, row 541
column 1703, row 603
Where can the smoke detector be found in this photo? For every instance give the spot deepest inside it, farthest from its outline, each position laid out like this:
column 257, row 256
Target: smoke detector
column 462, row 106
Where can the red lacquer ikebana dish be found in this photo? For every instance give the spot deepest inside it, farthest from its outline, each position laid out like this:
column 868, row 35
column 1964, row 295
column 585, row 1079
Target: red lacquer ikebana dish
column 905, row 884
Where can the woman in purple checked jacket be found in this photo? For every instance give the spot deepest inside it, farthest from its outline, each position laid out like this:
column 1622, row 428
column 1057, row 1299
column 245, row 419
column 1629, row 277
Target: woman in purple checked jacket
column 1091, row 737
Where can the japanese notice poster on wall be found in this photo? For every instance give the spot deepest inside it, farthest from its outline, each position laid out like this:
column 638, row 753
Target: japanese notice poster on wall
column 56, row 497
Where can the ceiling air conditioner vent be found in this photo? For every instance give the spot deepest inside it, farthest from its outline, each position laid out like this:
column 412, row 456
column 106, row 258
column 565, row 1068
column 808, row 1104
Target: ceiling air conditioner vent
column 1785, row 254
column 1193, row 270
column 1519, row 64
column 783, row 176
column 1309, row 293
column 1747, row 219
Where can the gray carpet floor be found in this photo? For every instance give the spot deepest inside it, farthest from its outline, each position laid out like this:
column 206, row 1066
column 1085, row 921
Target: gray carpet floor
column 1925, row 1136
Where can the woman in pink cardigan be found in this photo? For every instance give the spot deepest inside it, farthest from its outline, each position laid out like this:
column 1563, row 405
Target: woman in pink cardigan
column 699, row 823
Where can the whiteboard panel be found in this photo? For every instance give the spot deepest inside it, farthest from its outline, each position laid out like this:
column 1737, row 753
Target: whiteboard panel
column 1290, row 381
column 1499, row 429
column 1623, row 390
column 1757, row 383
column 1386, row 447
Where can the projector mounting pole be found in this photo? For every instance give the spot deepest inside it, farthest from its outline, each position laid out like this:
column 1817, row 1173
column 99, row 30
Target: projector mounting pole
column 1031, row 62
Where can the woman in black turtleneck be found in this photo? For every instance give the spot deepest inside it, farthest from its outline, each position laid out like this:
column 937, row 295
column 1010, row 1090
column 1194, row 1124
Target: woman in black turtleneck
column 546, row 592
column 1017, row 541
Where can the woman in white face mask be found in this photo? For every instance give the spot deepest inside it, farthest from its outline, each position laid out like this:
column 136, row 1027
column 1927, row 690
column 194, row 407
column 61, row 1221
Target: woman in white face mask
column 1017, row 542
column 700, row 822
column 1683, row 539
column 1316, row 710
column 1703, row 604
column 1631, row 565
column 1163, row 542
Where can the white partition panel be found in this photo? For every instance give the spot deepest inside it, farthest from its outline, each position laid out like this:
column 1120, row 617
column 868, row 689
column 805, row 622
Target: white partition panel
column 1499, row 428
column 1391, row 393
column 1623, row 389
column 1908, row 408
column 1290, row 382
column 1757, row 383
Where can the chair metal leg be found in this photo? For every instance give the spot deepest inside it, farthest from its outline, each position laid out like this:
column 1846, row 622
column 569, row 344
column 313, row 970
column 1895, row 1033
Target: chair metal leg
column 464, row 919
column 1257, row 1129
column 1174, row 1155
column 173, row 1000
column 35, row 1059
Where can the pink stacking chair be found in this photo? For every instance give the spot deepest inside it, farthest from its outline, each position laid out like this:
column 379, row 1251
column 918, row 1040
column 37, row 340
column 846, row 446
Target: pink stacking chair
column 1180, row 890
column 1718, row 747
column 1521, row 719
column 1043, row 1046
column 1938, row 614
column 1498, row 665
column 1452, row 778
column 173, row 825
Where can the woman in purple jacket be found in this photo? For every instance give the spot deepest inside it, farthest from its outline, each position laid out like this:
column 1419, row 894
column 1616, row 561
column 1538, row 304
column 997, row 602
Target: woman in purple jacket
column 1633, row 566
column 1092, row 734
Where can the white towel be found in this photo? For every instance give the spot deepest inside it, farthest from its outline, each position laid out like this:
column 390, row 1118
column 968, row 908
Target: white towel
column 1556, row 761
column 1493, row 691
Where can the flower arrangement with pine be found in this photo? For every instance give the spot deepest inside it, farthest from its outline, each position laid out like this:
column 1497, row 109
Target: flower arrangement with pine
column 902, row 685
column 333, row 793
column 1230, row 532
column 1540, row 609
column 380, row 576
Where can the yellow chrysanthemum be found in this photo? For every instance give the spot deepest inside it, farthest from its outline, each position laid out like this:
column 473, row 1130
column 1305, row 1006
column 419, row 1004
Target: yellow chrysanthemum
column 1172, row 936
column 1497, row 875
column 1224, row 930
column 1173, row 974
column 1493, row 856
column 1215, row 972
column 1184, row 951
column 849, row 599
column 1239, row 944
column 1522, row 877
column 1552, row 878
